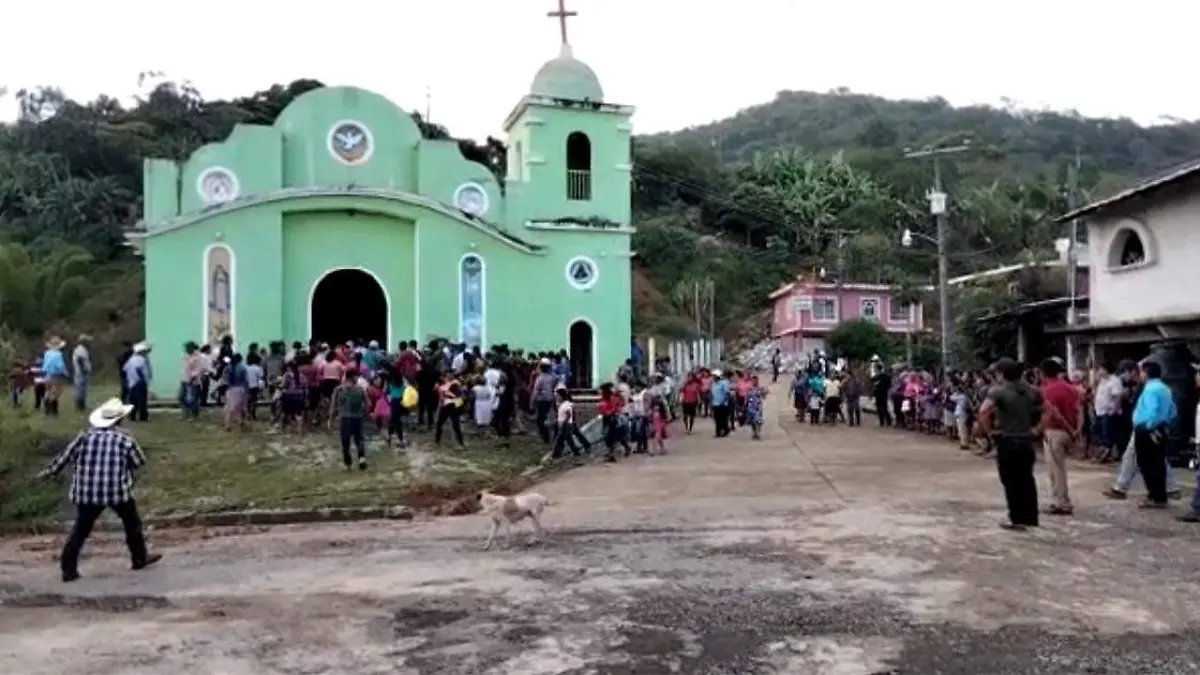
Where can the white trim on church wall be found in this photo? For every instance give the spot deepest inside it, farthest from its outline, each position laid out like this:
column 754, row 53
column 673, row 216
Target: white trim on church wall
column 312, row 292
column 595, row 347
column 205, row 287
column 483, row 313
column 416, row 334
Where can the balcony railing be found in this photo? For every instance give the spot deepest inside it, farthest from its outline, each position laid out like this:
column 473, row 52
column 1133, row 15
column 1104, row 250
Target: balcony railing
column 579, row 185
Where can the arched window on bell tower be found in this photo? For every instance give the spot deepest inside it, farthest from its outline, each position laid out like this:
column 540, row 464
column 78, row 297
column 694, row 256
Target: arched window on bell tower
column 579, row 167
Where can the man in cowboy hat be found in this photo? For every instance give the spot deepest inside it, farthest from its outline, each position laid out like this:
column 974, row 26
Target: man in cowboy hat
column 54, row 369
column 105, row 458
column 137, row 378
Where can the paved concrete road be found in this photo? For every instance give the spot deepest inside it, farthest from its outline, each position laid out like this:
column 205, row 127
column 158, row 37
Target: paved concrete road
column 824, row 551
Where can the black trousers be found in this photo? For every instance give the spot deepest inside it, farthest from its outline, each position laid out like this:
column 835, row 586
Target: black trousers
column 85, row 519
column 1152, row 462
column 853, row 411
column 427, row 406
column 139, row 398
column 564, row 439
column 542, row 410
column 721, row 419
column 351, row 431
column 881, row 411
column 452, row 414
column 396, row 416
column 1014, row 461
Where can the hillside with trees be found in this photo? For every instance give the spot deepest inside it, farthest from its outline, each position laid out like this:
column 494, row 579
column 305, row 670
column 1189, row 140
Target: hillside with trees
column 809, row 181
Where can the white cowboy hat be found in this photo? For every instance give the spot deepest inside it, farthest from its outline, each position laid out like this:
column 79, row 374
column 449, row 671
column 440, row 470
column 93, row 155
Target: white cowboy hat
column 141, row 347
column 109, row 413
column 55, row 342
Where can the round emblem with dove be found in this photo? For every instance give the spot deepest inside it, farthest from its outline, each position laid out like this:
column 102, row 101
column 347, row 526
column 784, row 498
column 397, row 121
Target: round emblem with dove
column 350, row 142
column 217, row 185
column 472, row 199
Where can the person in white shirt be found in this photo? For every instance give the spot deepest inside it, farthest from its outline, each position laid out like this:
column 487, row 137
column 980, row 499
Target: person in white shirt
column 483, row 403
column 254, row 385
column 567, row 431
column 639, row 422
column 1107, row 409
column 833, row 399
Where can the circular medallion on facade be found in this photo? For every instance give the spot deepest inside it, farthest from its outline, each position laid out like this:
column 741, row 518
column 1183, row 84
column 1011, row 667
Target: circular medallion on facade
column 582, row 273
column 471, row 199
column 217, row 185
column 351, row 142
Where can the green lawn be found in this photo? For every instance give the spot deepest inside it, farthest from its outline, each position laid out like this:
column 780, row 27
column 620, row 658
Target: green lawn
column 196, row 466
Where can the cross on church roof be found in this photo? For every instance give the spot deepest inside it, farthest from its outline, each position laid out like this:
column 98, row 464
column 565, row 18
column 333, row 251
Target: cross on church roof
column 562, row 15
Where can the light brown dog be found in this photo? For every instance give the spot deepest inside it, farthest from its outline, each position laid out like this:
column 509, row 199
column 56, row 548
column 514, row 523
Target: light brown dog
column 507, row 511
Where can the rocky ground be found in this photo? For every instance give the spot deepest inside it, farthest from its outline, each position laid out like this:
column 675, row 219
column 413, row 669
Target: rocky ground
column 823, row 551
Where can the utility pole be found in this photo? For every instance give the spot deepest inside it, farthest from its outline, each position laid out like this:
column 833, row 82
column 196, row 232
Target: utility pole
column 937, row 207
column 841, row 234
column 1072, row 254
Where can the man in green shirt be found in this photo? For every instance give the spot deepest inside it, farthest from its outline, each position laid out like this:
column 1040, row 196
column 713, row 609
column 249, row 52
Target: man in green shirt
column 1013, row 409
column 350, row 404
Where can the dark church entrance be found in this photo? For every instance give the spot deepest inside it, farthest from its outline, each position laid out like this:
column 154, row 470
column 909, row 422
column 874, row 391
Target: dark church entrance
column 349, row 305
column 581, row 355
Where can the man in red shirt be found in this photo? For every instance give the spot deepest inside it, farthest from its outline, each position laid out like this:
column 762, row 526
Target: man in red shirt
column 409, row 361
column 1062, row 419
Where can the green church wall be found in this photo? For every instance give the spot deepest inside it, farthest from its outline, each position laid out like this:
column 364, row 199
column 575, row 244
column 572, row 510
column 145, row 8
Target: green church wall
column 236, row 237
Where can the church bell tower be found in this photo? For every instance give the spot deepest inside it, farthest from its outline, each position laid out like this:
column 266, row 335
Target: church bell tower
column 569, row 148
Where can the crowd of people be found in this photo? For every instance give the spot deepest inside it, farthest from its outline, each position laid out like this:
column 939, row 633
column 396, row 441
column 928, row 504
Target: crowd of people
column 634, row 412
column 1124, row 414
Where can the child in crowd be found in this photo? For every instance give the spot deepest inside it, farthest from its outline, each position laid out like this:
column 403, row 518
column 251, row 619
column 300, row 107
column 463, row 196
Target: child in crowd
column 381, row 410
column 639, row 429
column 565, row 425
column 754, row 408
column 255, row 382
column 18, row 381
column 815, row 403
column 659, row 418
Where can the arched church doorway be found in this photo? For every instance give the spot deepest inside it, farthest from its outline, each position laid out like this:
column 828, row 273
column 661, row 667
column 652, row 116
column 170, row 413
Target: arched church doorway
column 581, row 339
column 348, row 304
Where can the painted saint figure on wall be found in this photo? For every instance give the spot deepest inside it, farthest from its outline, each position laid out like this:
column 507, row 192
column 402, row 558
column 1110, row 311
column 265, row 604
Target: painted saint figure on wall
column 471, row 302
column 218, row 280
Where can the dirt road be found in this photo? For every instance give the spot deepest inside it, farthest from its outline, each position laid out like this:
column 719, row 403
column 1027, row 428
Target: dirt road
column 824, row 551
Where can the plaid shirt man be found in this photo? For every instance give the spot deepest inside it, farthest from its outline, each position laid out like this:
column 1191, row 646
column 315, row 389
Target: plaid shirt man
column 105, row 460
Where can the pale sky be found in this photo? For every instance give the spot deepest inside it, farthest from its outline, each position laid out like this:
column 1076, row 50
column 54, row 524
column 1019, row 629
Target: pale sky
column 681, row 62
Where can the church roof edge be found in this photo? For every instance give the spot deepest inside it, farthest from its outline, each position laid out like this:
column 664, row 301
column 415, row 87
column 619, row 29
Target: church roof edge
column 531, row 100
column 140, row 231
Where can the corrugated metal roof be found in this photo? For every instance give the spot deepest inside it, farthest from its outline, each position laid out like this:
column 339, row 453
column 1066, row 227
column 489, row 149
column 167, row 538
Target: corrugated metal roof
column 1175, row 175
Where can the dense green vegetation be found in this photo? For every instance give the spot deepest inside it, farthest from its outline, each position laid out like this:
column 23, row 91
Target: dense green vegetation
column 804, row 183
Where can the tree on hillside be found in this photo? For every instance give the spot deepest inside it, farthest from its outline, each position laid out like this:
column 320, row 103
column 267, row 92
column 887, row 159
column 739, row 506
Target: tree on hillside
column 772, row 199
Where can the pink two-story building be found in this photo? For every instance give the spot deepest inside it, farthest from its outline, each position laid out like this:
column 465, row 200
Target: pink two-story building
column 806, row 310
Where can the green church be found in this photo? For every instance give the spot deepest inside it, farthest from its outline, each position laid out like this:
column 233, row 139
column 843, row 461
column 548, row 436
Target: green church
column 341, row 222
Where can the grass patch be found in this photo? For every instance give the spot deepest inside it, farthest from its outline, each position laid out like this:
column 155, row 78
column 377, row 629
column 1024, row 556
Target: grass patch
column 197, row 467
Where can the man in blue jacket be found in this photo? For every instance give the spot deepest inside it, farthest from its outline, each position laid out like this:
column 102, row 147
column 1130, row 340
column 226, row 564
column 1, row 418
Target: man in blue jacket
column 1153, row 416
